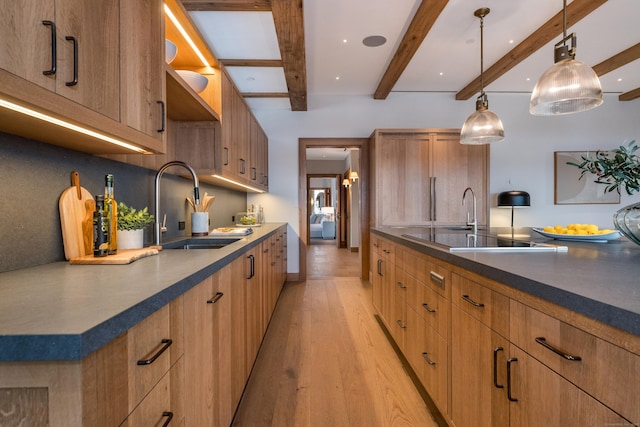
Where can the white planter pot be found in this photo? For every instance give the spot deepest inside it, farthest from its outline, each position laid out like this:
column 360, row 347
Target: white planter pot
column 130, row 239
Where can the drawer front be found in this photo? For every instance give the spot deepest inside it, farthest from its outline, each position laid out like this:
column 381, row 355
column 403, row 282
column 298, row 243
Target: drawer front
column 433, row 308
column 155, row 409
column 603, row 370
column 387, row 250
column 487, row 306
column 149, row 354
column 426, row 351
column 426, row 271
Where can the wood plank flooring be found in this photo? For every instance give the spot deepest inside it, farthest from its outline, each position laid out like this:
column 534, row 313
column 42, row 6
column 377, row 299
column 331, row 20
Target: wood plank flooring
column 325, row 361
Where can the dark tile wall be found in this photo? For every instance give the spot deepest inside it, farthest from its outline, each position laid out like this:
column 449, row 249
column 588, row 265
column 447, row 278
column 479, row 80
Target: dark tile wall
column 33, row 175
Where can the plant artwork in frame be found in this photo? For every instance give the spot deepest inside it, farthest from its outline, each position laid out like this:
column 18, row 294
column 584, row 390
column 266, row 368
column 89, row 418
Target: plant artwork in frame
column 570, row 189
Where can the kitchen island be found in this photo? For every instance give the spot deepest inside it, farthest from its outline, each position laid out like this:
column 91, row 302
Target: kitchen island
column 92, row 345
column 514, row 338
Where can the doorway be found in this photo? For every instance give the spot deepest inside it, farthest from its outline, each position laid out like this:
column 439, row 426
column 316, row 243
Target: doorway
column 325, row 209
column 304, row 202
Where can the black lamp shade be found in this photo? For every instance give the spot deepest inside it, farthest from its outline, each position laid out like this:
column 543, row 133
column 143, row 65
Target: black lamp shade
column 514, row 198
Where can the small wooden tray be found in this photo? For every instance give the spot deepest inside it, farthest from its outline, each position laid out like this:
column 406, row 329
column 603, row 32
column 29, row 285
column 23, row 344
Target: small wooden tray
column 123, row 256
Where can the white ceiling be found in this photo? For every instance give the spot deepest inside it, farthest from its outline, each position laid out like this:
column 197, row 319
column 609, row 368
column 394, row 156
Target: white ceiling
column 448, row 59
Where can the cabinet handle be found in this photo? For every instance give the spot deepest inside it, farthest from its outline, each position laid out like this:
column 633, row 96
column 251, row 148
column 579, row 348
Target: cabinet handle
column 401, row 285
column 401, row 324
column 215, row 298
column 509, row 362
column 251, row 266
column 543, row 342
column 380, row 267
column 437, row 279
column 495, row 367
column 74, row 41
column 162, row 119
column 169, row 416
column 426, row 358
column 472, row 302
column 426, row 307
column 167, row 343
column 54, row 53
column 432, row 198
column 226, row 156
column 254, row 174
column 243, row 166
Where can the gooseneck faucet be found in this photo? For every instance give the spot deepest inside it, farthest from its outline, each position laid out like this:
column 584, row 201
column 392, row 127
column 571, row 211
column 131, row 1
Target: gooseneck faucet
column 156, row 188
column 473, row 223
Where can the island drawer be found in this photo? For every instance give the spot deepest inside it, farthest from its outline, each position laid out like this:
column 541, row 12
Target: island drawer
column 482, row 303
column 603, row 370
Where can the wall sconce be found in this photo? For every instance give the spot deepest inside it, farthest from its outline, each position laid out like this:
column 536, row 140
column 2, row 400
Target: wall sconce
column 354, row 176
column 513, row 199
column 346, row 183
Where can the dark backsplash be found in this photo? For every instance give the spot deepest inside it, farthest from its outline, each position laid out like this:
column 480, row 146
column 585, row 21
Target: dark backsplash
column 34, row 174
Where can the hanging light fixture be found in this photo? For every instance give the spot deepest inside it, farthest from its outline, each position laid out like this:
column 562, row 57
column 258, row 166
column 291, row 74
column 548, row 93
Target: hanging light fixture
column 483, row 126
column 569, row 86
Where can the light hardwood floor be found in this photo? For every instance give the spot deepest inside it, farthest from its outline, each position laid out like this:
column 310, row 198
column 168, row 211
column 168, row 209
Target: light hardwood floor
column 325, row 360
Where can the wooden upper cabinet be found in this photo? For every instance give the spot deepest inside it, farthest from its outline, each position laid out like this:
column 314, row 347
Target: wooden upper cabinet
column 420, row 176
column 142, row 70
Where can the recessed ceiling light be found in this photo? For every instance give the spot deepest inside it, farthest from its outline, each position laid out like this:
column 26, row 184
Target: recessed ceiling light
column 344, row 41
column 441, row 73
column 510, row 41
column 619, row 80
column 337, row 77
column 374, row 41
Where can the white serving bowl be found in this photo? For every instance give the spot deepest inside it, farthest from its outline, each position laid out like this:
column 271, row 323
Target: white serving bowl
column 197, row 81
column 170, row 51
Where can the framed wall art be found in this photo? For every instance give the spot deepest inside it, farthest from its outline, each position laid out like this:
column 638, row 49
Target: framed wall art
column 570, row 190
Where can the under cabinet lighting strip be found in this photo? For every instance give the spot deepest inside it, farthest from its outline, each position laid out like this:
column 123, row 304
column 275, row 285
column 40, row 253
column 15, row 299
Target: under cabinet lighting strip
column 237, row 183
column 67, row 125
column 184, row 33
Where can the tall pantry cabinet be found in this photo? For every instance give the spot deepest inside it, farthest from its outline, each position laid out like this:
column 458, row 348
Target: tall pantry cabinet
column 420, row 175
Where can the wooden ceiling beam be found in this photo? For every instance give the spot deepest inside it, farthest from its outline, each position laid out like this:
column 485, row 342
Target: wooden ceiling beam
column 289, row 22
column 617, row 61
column 631, row 95
column 251, row 62
column 576, row 10
column 421, row 24
column 228, row 5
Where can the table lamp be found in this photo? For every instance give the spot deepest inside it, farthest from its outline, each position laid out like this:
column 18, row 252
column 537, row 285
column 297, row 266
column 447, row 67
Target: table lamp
column 513, row 199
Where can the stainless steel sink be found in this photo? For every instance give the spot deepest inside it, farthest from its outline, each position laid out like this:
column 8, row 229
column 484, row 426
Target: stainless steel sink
column 199, row 243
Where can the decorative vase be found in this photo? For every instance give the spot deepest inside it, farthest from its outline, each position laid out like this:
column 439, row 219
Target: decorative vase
column 130, row 239
column 627, row 222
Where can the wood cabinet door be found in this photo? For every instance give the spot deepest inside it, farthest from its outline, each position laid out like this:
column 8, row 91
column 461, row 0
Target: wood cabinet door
column 454, row 167
column 544, row 398
column 478, row 385
column 25, row 42
column 253, row 304
column 142, row 84
column 93, row 24
column 235, row 275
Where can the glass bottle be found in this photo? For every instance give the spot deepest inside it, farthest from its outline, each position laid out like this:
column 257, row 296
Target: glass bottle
column 111, row 208
column 100, row 229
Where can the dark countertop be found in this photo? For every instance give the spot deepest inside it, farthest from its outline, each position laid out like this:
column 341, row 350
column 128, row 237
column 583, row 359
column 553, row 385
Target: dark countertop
column 60, row 311
column 598, row 280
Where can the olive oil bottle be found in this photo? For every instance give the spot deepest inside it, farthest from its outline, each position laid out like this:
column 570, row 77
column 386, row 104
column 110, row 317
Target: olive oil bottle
column 111, row 208
column 100, row 229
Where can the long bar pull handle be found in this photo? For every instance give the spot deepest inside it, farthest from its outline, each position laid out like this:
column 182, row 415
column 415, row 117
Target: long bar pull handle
column 226, row 156
column 432, row 198
column 251, row 259
column 243, row 169
column 54, row 50
column 162, row 117
column 254, row 174
column 215, row 298
column 543, row 342
column 379, row 267
column 429, row 309
column 427, row 359
column 472, row 302
column 74, row 41
column 169, row 416
column 495, row 367
column 437, row 279
column 509, row 362
column 167, row 343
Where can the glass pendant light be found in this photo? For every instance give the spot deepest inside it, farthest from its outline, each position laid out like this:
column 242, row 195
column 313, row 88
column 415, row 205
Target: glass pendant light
column 483, row 126
column 569, row 86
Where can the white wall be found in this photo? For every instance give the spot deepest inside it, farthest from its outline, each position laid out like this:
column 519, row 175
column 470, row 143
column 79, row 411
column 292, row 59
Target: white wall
column 525, row 158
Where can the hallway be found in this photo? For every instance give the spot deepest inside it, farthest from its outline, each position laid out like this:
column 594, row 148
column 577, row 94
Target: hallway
column 325, row 360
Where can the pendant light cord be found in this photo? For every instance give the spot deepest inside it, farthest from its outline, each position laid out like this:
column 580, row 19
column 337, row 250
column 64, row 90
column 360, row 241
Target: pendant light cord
column 482, row 54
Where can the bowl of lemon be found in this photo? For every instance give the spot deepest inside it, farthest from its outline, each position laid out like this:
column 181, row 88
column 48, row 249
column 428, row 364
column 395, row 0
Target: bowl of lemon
column 578, row 232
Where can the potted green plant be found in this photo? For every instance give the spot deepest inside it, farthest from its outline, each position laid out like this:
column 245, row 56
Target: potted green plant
column 131, row 225
column 615, row 169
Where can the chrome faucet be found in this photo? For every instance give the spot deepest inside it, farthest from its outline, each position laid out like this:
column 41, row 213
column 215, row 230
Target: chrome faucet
column 473, row 223
column 156, row 188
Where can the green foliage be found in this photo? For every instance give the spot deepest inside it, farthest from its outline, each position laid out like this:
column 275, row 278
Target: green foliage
column 131, row 219
column 616, row 168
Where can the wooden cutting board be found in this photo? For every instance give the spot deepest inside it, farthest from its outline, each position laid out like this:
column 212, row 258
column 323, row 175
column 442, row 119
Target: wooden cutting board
column 73, row 204
column 123, row 256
